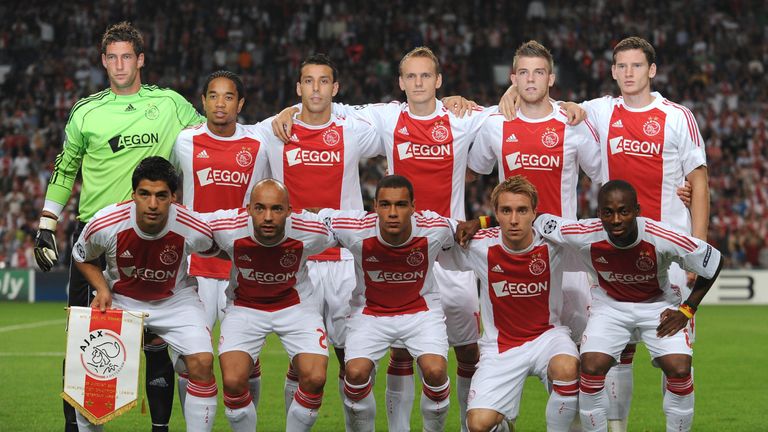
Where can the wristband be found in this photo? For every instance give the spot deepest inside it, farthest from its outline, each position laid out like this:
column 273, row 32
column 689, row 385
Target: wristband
column 484, row 221
column 47, row 223
column 686, row 310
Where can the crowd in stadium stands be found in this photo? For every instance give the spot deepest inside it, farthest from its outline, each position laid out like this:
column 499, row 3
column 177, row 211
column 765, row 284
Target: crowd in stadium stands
column 711, row 57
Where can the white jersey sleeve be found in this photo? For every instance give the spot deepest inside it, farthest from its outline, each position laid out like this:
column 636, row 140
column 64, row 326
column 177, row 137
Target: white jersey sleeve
column 588, row 148
column 690, row 253
column 485, row 152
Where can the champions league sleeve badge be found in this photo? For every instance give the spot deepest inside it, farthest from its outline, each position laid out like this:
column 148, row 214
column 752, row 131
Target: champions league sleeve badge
column 101, row 376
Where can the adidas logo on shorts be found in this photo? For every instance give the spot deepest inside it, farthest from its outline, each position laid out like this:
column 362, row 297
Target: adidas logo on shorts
column 512, row 138
column 404, row 131
column 601, row 260
column 203, row 155
column 497, row 269
column 372, row 259
column 244, row 258
column 126, row 254
column 617, row 124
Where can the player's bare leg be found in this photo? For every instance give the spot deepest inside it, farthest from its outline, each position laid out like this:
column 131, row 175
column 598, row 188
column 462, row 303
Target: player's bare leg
column 619, row 384
column 467, row 357
column 400, row 391
column 484, row 420
column 235, row 369
column 303, row 412
column 359, row 403
column 593, row 401
column 678, row 400
column 200, row 403
column 563, row 404
column 436, row 389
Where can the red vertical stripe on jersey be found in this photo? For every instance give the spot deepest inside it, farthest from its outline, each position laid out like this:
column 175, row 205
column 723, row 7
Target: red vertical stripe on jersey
column 634, row 151
column 266, row 276
column 148, row 268
column 313, row 170
column 394, row 277
column 519, row 288
column 222, row 171
column 628, row 275
column 423, row 154
column 535, row 150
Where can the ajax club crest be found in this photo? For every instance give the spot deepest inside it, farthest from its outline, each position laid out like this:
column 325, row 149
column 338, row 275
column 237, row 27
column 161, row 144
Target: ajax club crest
column 331, row 137
column 288, row 259
column 415, row 258
column 652, row 127
column 244, row 158
column 537, row 265
column 644, row 262
column 102, row 354
column 439, row 132
column 169, row 256
column 549, row 138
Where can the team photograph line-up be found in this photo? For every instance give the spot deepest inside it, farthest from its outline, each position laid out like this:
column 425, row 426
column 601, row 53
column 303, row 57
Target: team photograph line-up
column 240, row 244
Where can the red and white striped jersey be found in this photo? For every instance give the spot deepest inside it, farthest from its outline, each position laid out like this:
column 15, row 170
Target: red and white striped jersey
column 274, row 277
column 520, row 290
column 430, row 151
column 320, row 166
column 636, row 273
column 217, row 173
column 653, row 148
column 547, row 151
column 392, row 280
column 145, row 266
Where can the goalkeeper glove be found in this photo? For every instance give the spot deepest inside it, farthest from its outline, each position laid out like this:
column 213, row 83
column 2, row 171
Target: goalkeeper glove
column 46, row 253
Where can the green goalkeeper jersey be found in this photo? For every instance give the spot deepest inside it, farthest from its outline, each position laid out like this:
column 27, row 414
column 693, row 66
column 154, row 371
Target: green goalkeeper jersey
column 106, row 136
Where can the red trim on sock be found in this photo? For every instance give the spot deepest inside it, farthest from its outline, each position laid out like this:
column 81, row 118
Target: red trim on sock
column 184, row 375
column 291, row 374
column 308, row 400
column 680, row 386
column 238, row 401
column 256, row 372
column 591, row 384
column 202, row 389
column 628, row 355
column 435, row 394
column 357, row 393
column 566, row 388
column 465, row 370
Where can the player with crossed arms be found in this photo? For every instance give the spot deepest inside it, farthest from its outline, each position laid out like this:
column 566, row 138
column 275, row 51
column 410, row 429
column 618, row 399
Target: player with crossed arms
column 146, row 242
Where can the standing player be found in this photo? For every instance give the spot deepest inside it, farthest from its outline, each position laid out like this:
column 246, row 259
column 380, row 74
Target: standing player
column 106, row 136
column 219, row 162
column 146, row 242
column 320, row 166
column 269, row 247
column 540, row 145
column 629, row 257
column 521, row 299
column 396, row 299
column 656, row 145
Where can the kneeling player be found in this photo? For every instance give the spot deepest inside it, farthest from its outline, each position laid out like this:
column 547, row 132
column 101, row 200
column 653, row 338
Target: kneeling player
column 396, row 299
column 629, row 257
column 521, row 300
column 146, row 242
column 269, row 248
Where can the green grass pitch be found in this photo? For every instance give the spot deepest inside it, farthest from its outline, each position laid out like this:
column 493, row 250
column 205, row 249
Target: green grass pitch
column 730, row 379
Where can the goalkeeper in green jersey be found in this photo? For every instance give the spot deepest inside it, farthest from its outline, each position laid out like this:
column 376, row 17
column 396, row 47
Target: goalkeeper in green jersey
column 106, row 136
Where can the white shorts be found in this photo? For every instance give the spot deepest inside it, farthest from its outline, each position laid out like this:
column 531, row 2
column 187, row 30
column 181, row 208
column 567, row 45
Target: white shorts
column 499, row 379
column 334, row 282
column 612, row 323
column 299, row 327
column 459, row 297
column 576, row 301
column 420, row 333
column 213, row 294
column 179, row 320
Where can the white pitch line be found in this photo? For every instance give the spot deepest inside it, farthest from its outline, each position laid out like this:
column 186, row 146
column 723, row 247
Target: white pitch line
column 30, row 325
column 31, row 354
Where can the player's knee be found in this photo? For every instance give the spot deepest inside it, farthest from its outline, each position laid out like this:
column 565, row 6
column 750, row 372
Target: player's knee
column 478, row 421
column 434, row 374
column 200, row 366
column 313, row 381
column 596, row 363
column 563, row 367
column 356, row 374
column 677, row 371
column 234, row 384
